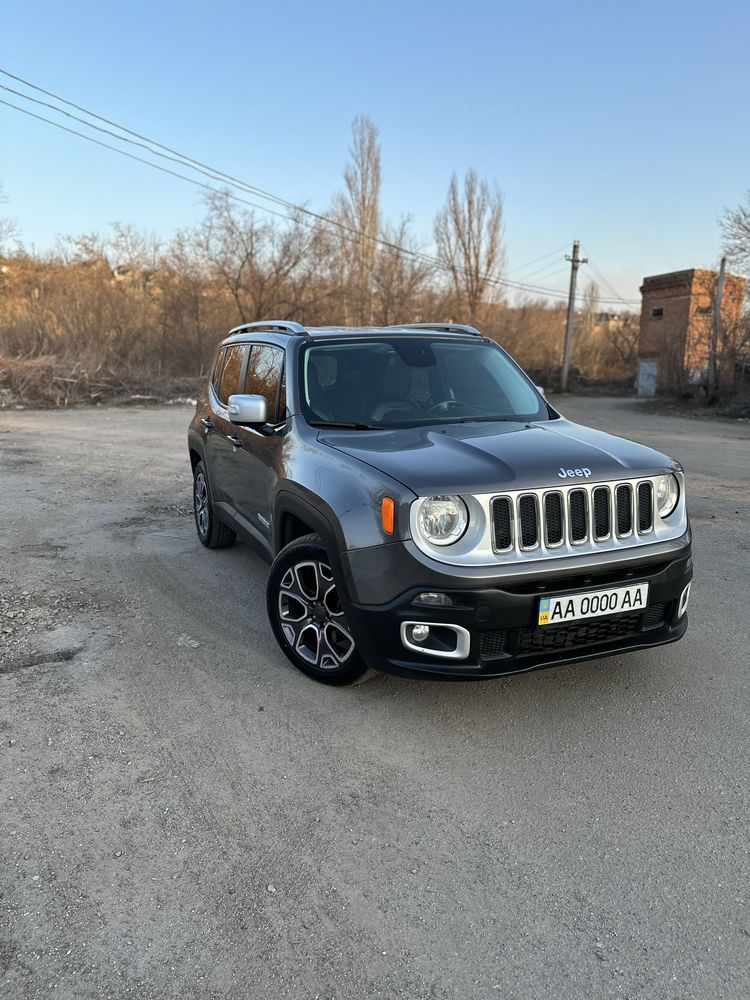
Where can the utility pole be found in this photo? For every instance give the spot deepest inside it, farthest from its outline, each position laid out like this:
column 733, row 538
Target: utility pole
column 715, row 327
column 575, row 262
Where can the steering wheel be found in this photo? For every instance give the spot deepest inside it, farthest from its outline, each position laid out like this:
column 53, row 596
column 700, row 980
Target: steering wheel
column 380, row 407
column 446, row 405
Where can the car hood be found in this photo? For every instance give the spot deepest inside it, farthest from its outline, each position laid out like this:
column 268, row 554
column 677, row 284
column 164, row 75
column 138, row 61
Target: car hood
column 489, row 457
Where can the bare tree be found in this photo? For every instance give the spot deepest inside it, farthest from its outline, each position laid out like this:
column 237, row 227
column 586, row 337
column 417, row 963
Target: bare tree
column 357, row 211
column 735, row 227
column 399, row 279
column 468, row 234
column 586, row 340
column 8, row 226
column 266, row 269
column 623, row 337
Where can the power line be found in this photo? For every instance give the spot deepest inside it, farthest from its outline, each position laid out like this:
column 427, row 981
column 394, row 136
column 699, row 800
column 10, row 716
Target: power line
column 560, row 270
column 215, row 174
column 181, row 157
column 139, row 159
column 425, row 258
column 608, row 286
column 184, row 160
column 432, row 261
column 541, row 270
column 515, row 270
column 175, row 156
column 218, row 175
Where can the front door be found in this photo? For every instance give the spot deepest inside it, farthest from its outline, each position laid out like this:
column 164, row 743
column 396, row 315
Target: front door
column 257, row 463
column 220, row 450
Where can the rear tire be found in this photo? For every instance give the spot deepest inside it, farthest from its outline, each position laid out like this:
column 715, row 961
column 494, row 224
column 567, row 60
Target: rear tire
column 307, row 618
column 212, row 532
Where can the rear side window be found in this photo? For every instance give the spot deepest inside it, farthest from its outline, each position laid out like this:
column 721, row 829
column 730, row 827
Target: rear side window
column 230, row 373
column 265, row 377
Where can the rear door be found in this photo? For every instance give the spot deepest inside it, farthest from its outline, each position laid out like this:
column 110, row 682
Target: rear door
column 258, row 463
column 222, row 442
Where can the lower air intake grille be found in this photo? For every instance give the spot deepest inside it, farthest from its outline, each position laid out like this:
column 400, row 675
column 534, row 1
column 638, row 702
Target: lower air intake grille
column 540, row 640
column 502, row 522
column 492, row 644
column 653, row 616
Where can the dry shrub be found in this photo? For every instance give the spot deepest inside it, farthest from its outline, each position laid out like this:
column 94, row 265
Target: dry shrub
column 47, row 381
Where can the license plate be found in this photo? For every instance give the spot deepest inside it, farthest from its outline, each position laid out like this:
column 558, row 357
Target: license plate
column 574, row 607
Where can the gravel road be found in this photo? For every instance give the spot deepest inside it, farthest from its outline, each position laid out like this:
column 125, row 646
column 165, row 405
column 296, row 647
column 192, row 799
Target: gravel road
column 184, row 815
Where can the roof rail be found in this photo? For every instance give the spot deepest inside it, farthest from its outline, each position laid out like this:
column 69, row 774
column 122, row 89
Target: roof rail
column 439, row 327
column 280, row 325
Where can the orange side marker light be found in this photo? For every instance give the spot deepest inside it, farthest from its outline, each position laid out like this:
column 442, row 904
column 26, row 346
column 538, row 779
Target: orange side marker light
column 387, row 514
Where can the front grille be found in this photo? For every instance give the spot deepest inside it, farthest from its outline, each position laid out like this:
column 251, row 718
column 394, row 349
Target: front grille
column 645, row 506
column 502, row 523
column 601, row 511
column 624, row 503
column 553, row 513
column 528, row 515
column 492, row 644
column 578, row 516
column 539, row 640
column 592, row 517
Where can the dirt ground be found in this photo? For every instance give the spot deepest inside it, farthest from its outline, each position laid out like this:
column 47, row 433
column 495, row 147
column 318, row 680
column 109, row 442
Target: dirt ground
column 184, row 815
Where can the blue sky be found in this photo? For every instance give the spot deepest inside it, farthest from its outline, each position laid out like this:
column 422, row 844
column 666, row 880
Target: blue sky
column 622, row 125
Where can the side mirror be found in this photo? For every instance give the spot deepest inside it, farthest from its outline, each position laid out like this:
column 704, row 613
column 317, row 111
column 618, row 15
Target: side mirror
column 248, row 410
column 540, row 389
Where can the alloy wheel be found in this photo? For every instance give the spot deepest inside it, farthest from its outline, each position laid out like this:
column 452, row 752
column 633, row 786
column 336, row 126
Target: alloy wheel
column 200, row 499
column 311, row 615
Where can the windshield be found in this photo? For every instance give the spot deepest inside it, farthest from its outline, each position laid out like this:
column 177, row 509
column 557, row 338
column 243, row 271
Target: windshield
column 409, row 381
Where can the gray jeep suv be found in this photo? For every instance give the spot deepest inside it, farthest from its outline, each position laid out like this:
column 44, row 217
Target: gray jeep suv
column 425, row 509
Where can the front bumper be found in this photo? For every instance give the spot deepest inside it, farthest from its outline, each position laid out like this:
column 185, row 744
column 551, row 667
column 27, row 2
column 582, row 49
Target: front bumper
column 500, row 618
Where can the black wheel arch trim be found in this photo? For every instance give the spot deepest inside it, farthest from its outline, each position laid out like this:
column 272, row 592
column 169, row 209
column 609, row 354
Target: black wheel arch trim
column 195, row 444
column 320, row 517
column 312, row 511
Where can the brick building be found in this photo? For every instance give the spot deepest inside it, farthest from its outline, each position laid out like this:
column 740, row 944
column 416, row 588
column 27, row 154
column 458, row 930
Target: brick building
column 675, row 333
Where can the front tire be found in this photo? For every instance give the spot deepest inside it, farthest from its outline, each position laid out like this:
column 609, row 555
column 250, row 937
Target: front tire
column 307, row 617
column 212, row 532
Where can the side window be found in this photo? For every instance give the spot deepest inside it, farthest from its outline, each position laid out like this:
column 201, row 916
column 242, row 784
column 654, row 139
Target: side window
column 265, row 377
column 230, row 373
column 216, row 375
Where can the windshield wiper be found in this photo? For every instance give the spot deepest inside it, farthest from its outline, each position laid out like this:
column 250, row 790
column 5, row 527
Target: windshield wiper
column 344, row 425
column 482, row 420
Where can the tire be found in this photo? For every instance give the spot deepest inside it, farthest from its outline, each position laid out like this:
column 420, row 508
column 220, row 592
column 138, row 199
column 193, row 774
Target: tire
column 212, row 532
column 306, row 615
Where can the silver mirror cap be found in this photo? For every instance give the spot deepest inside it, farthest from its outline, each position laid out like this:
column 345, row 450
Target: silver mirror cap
column 539, row 389
column 247, row 410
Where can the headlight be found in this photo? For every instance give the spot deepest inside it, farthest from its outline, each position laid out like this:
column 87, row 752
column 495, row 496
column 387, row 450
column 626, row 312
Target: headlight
column 667, row 494
column 442, row 520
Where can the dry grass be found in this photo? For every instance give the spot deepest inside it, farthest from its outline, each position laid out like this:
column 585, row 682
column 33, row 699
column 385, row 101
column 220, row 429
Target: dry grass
column 47, row 381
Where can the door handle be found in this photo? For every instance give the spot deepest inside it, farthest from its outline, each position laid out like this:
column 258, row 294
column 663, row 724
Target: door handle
column 208, row 424
column 235, row 440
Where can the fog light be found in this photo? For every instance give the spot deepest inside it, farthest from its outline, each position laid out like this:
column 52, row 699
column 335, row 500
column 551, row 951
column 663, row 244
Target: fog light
column 684, row 598
column 435, row 600
column 419, row 632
